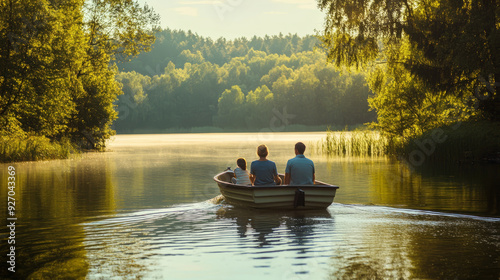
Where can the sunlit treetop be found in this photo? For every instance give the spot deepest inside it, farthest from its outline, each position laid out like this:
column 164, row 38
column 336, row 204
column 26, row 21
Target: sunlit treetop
column 452, row 45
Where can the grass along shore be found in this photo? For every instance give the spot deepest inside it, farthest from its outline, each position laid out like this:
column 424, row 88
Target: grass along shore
column 34, row 148
column 354, row 143
column 471, row 141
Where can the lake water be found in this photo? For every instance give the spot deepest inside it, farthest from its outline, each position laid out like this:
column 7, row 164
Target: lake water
column 148, row 209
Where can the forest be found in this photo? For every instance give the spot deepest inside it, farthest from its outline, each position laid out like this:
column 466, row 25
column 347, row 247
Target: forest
column 434, row 68
column 189, row 81
column 57, row 79
column 73, row 73
column 430, row 63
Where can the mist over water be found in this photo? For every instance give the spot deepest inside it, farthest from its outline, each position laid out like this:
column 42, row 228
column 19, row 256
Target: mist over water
column 146, row 209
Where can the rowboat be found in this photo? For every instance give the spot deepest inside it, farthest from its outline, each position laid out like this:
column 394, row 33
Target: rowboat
column 298, row 197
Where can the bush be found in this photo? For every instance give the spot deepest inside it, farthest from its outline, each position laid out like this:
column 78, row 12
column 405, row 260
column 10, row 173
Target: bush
column 34, row 148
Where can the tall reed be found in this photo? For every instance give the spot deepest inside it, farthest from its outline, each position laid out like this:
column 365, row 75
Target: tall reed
column 460, row 142
column 34, row 148
column 354, row 143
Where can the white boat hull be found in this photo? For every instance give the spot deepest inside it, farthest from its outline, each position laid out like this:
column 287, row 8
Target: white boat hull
column 317, row 196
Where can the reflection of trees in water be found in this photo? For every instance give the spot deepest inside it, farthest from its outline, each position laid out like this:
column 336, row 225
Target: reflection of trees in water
column 121, row 253
column 52, row 200
column 56, row 198
column 415, row 247
column 368, row 270
column 49, row 250
column 371, row 249
column 454, row 248
column 465, row 187
column 471, row 188
column 493, row 199
column 378, row 262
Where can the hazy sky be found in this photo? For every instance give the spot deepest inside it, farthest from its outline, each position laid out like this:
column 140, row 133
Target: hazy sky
column 239, row 18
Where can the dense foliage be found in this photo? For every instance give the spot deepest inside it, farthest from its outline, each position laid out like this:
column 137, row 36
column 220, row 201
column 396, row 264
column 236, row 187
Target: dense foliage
column 189, row 81
column 56, row 80
column 431, row 63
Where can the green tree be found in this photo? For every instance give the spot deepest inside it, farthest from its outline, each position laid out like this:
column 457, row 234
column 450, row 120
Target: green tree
column 134, row 87
column 274, row 74
column 230, row 108
column 450, row 45
column 407, row 108
column 198, row 95
column 194, row 58
column 354, row 106
column 237, row 73
column 189, row 96
column 259, row 107
column 162, row 104
column 36, row 62
column 298, row 94
column 114, row 30
column 56, row 79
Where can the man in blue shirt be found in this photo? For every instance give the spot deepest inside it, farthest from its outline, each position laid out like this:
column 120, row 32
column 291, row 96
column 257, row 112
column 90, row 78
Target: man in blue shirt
column 299, row 170
column 264, row 171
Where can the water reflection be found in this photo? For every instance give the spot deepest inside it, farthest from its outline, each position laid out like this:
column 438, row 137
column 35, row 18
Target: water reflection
column 47, row 250
column 381, row 181
column 52, row 199
column 386, row 243
column 299, row 224
column 139, row 211
column 477, row 185
column 187, row 242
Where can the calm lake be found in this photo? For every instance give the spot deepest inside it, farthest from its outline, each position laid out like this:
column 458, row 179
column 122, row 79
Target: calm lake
column 147, row 209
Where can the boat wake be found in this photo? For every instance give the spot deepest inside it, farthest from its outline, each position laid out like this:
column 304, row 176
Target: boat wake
column 156, row 242
column 339, row 209
column 155, row 214
column 220, row 199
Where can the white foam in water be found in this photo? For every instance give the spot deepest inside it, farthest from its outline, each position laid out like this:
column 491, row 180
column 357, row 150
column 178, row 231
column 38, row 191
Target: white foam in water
column 375, row 209
column 149, row 214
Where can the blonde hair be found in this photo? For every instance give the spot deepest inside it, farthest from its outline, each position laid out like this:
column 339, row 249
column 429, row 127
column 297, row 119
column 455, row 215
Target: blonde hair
column 262, row 151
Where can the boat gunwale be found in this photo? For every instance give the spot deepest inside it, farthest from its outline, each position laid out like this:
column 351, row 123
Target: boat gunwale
column 320, row 185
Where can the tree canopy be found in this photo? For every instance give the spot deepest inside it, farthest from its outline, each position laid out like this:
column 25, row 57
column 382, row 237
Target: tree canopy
column 420, row 53
column 189, row 81
column 56, row 79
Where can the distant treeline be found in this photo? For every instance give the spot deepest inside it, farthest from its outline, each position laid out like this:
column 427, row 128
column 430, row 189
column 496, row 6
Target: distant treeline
column 190, row 81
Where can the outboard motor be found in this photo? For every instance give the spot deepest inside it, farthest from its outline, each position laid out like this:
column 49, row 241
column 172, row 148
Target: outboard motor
column 300, row 198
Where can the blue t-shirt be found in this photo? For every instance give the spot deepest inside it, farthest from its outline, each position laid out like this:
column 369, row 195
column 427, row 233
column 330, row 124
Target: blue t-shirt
column 301, row 170
column 264, row 172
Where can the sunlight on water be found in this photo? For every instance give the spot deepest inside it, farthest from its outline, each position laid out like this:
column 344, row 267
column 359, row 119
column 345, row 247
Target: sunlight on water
column 210, row 241
column 149, row 208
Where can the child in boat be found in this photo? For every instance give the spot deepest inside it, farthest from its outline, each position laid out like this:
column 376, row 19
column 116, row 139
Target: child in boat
column 242, row 177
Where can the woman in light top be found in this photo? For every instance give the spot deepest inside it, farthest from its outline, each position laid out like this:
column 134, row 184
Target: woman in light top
column 241, row 173
column 264, row 171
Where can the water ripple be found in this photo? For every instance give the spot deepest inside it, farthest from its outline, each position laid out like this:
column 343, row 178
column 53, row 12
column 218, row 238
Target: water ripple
column 184, row 240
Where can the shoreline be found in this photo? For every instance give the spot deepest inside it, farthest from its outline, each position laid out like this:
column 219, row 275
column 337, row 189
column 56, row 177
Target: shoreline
column 461, row 143
column 471, row 142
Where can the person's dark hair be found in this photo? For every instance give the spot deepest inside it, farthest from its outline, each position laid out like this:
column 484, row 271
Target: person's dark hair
column 262, row 151
column 300, row 147
column 242, row 163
